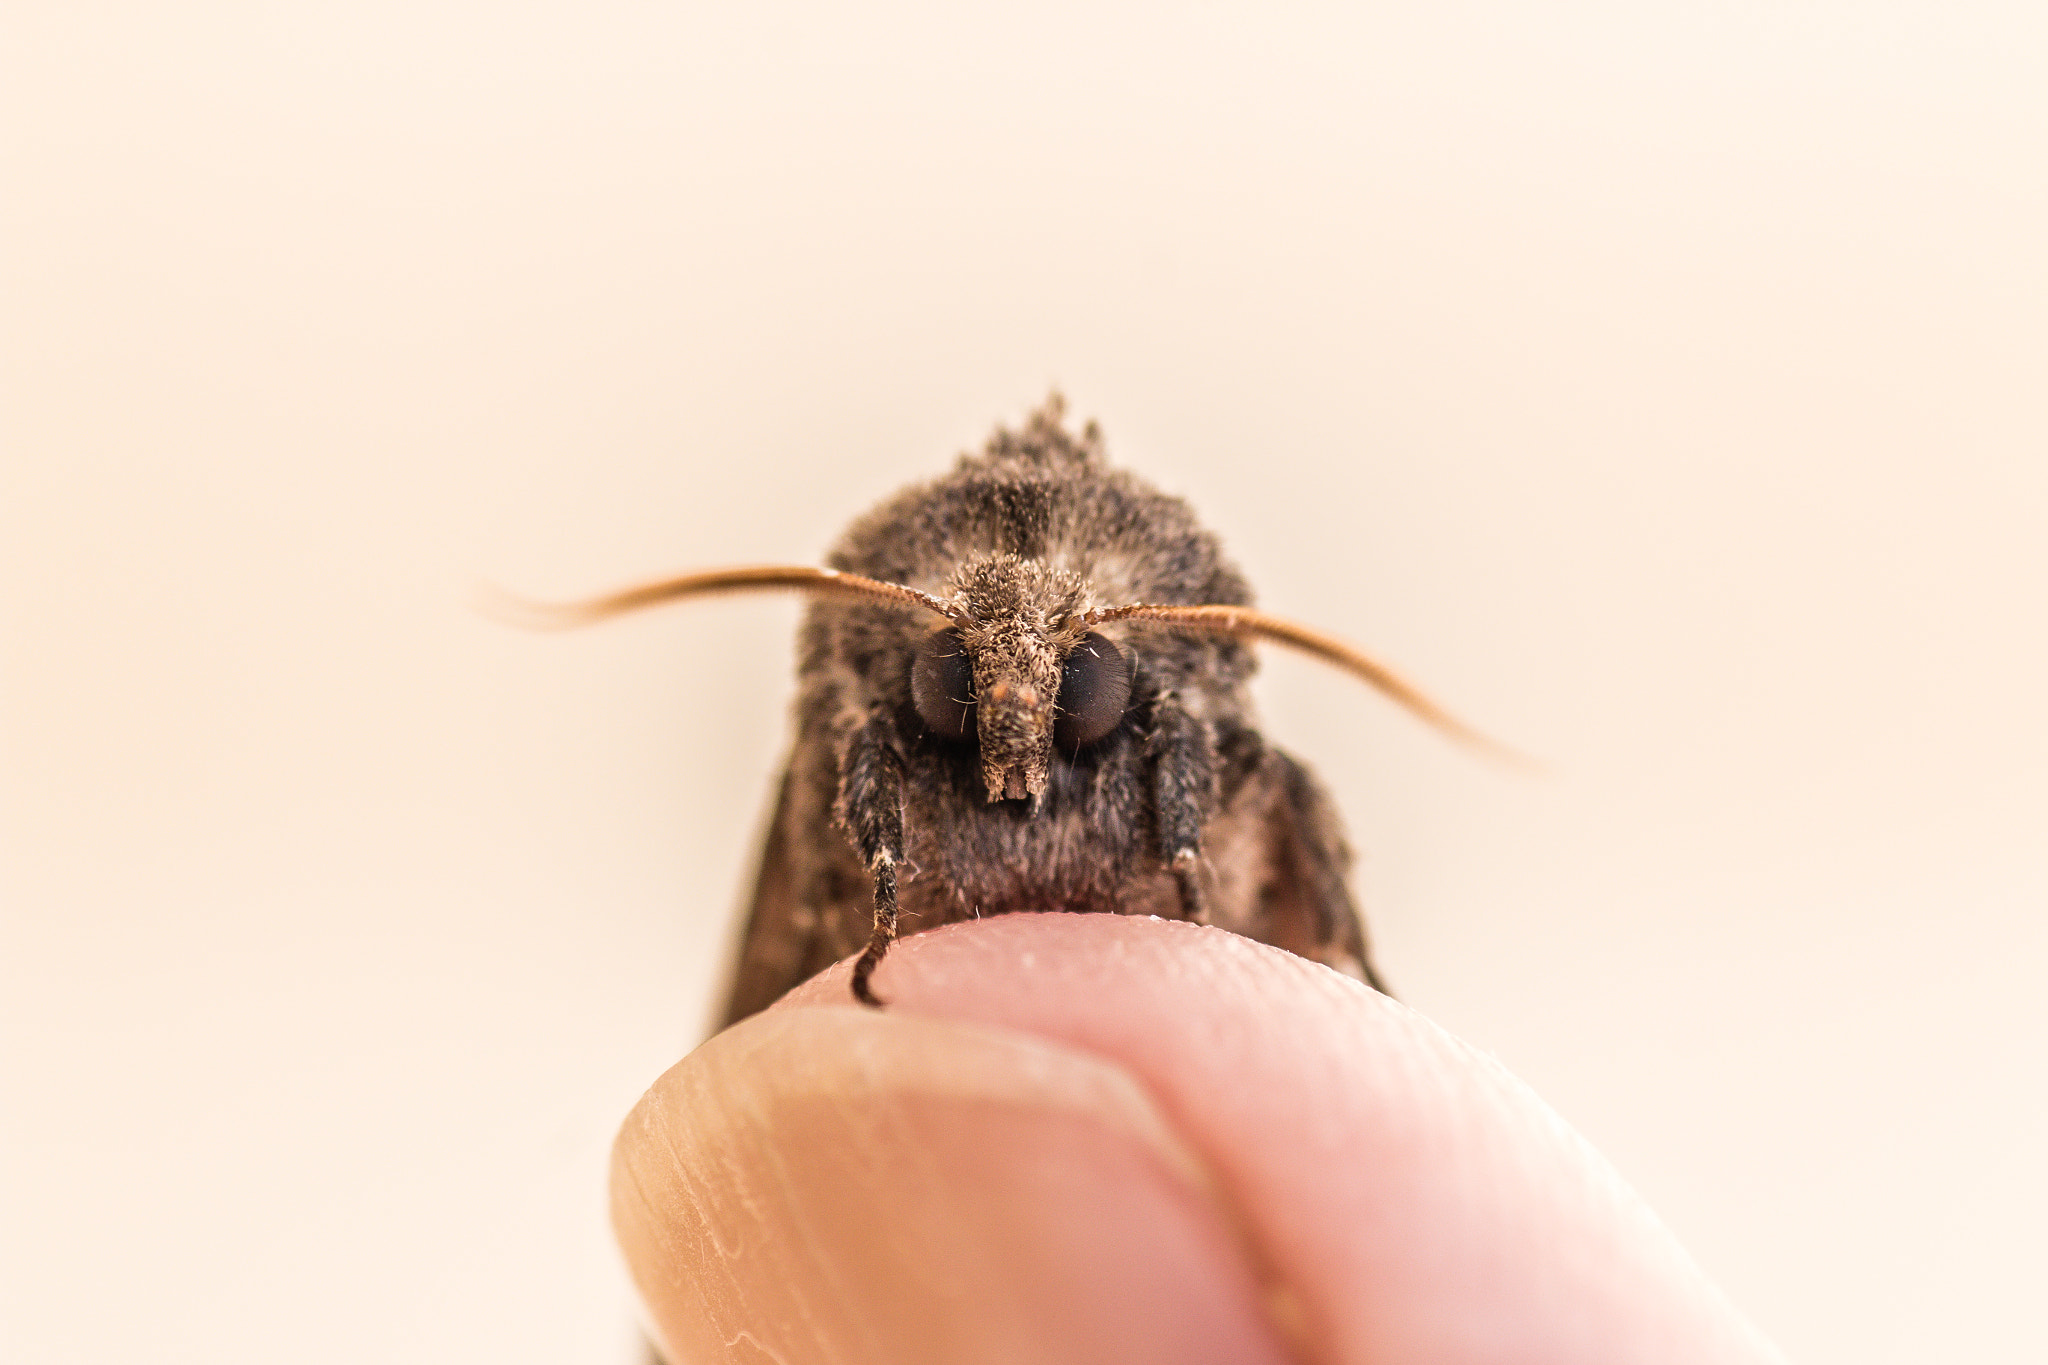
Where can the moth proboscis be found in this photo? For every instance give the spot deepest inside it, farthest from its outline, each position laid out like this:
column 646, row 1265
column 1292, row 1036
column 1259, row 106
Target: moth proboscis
column 1024, row 684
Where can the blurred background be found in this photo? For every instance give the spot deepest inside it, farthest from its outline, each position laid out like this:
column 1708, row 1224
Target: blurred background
column 1661, row 387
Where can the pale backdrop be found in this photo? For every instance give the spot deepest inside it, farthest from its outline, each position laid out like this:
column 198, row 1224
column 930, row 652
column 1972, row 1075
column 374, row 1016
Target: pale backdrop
column 1662, row 385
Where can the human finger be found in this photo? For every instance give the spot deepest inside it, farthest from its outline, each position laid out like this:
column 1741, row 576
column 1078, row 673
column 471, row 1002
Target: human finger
column 1387, row 1193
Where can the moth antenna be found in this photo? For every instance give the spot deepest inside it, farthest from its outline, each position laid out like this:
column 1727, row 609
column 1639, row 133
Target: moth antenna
column 753, row 578
column 1245, row 622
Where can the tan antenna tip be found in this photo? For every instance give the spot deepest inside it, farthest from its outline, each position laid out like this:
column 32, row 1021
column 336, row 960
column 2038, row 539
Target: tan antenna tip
column 1244, row 621
column 519, row 611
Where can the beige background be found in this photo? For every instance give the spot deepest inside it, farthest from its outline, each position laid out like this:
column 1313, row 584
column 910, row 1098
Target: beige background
column 1662, row 385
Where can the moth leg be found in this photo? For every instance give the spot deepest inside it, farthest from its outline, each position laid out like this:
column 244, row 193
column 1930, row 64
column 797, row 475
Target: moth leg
column 1183, row 754
column 879, row 940
column 871, row 809
column 1314, row 860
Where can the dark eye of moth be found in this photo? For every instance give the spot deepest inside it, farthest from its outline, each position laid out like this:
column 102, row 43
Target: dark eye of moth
column 942, row 685
column 1095, row 686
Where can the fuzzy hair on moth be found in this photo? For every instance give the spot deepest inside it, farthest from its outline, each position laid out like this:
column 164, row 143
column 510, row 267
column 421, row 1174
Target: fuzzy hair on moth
column 1024, row 684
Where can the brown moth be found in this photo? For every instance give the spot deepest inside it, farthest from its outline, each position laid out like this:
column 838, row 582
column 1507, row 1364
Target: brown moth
column 1023, row 687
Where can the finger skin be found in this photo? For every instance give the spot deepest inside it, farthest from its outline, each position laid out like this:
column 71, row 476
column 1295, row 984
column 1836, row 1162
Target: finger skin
column 1390, row 1194
column 844, row 1184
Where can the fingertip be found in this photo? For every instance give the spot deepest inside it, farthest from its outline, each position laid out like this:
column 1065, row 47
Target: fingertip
column 1412, row 1197
column 836, row 1184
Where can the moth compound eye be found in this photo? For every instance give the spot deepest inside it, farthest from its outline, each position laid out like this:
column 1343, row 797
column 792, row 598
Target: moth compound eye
column 942, row 685
column 1095, row 686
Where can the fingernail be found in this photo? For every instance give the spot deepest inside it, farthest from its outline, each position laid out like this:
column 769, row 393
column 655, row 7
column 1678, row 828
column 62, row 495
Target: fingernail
column 833, row 1184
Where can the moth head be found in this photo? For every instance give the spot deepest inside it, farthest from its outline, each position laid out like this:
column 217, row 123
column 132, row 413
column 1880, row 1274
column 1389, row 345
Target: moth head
column 1018, row 669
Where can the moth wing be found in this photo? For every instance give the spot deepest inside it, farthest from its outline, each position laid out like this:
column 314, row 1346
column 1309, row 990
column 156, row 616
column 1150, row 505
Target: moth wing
column 1306, row 905
column 776, row 940
column 813, row 901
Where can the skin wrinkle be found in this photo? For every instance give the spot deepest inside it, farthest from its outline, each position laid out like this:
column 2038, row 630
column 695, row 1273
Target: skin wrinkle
column 744, row 1177
column 821, row 1263
column 755, row 1342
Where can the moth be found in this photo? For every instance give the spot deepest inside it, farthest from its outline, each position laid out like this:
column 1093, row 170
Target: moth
column 1023, row 686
